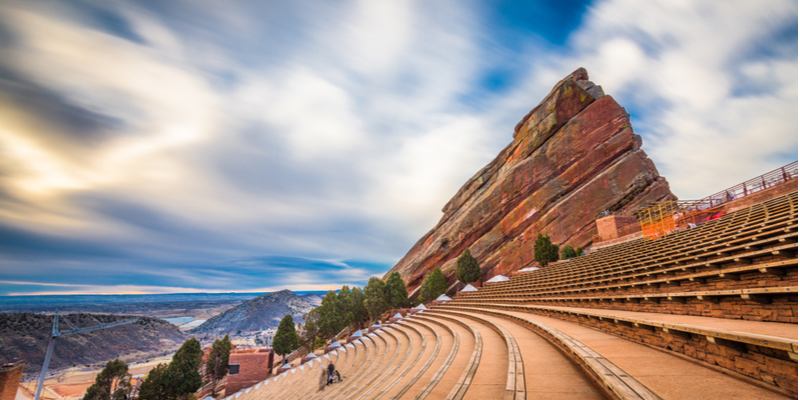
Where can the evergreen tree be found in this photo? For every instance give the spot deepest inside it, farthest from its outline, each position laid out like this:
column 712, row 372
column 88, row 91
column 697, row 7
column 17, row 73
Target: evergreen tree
column 396, row 293
column 154, row 387
column 330, row 321
column 182, row 377
column 285, row 340
column 544, row 251
column 434, row 285
column 467, row 268
column 112, row 383
column 217, row 362
column 360, row 313
column 568, row 252
column 578, row 252
column 311, row 327
column 345, row 307
column 375, row 298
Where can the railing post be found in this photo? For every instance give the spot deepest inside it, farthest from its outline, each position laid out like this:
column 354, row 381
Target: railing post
column 744, row 188
column 783, row 172
column 763, row 183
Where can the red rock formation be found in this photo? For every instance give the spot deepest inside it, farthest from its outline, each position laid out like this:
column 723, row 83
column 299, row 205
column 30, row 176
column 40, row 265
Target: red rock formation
column 572, row 156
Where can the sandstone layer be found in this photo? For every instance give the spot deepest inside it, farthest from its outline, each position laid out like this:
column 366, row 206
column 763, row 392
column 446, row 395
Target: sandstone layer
column 573, row 156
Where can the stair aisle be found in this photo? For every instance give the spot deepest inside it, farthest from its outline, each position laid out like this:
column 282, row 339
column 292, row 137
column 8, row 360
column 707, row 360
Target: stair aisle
column 450, row 371
column 364, row 357
column 425, row 356
column 488, row 381
column 443, row 353
column 360, row 380
column 549, row 374
column 666, row 375
column 403, row 350
column 417, row 346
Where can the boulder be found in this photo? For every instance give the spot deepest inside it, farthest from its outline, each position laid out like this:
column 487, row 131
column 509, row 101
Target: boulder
column 572, row 156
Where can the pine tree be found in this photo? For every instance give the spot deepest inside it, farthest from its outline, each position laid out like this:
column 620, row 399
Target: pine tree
column 112, row 383
column 285, row 340
column 154, row 387
column 345, row 307
column 434, row 285
column 360, row 313
column 467, row 268
column 182, row 377
column 568, row 252
column 311, row 327
column 217, row 362
column 544, row 251
column 578, row 252
column 330, row 321
column 396, row 293
column 375, row 298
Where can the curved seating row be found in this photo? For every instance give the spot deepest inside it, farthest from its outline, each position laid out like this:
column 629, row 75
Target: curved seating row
column 709, row 312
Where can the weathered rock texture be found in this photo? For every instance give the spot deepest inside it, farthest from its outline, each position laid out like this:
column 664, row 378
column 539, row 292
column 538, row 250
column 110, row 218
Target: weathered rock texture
column 572, row 156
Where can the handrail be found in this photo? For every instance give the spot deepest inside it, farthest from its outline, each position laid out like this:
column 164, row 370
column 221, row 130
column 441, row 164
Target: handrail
column 754, row 185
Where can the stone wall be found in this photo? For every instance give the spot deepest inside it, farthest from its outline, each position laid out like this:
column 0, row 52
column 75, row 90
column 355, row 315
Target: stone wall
column 254, row 367
column 10, row 376
column 762, row 196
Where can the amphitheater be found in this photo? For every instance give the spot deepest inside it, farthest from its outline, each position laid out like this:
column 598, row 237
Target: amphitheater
column 702, row 313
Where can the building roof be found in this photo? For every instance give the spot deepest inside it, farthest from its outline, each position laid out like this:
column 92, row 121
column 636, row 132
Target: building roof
column 498, row 278
column 444, row 297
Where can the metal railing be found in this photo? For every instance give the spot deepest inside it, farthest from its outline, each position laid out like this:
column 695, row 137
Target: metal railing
column 755, row 185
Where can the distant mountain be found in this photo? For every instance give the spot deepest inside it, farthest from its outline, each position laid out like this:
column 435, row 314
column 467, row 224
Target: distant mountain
column 25, row 336
column 262, row 313
column 313, row 298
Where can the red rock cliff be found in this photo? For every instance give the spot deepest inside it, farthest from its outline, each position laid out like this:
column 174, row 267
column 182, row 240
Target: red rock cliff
column 573, row 155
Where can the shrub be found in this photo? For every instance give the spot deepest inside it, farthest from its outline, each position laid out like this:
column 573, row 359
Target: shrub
column 568, row 252
column 544, row 250
column 433, row 286
column 467, row 268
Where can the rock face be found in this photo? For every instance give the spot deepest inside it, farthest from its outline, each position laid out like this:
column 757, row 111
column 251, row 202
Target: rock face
column 259, row 314
column 572, row 156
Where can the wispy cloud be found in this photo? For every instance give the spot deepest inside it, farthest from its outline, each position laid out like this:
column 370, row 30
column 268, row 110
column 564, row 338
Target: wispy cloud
column 269, row 145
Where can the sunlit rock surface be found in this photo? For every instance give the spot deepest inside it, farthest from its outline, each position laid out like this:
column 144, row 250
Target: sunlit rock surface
column 573, row 155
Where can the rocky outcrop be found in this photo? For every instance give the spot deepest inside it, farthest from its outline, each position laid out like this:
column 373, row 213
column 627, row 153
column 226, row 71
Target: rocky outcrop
column 572, row 156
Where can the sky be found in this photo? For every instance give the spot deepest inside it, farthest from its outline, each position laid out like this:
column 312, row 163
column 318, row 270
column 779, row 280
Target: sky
column 204, row 146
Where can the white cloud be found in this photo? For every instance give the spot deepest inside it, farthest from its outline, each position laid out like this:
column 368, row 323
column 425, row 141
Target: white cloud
column 340, row 133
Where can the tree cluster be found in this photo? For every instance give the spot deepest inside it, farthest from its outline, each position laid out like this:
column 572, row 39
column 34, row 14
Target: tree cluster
column 544, row 251
column 568, row 252
column 353, row 307
column 177, row 380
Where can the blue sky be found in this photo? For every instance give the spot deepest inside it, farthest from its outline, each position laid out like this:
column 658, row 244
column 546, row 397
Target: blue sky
column 184, row 146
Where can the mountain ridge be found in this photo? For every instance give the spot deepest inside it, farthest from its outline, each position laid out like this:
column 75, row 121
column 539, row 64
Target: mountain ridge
column 261, row 313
